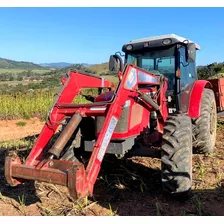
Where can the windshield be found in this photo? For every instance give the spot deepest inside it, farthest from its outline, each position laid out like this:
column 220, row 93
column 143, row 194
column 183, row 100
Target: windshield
column 157, row 62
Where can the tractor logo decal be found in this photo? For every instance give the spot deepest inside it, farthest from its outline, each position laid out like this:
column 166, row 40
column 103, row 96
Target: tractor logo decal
column 106, row 140
column 131, row 79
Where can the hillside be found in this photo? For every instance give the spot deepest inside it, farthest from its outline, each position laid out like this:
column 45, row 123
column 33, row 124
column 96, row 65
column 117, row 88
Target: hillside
column 211, row 71
column 61, row 64
column 56, row 65
column 100, row 69
column 11, row 64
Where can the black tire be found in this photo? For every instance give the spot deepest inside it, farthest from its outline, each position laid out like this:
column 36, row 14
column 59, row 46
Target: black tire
column 73, row 144
column 74, row 149
column 204, row 127
column 176, row 156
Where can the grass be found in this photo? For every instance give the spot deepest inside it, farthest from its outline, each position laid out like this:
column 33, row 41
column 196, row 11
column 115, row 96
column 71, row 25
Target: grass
column 13, row 83
column 220, row 124
column 16, row 144
column 112, row 213
column 100, row 68
column 198, row 206
column 14, row 106
column 21, row 123
column 111, row 78
column 22, row 200
column 32, row 104
column 2, row 197
column 158, row 209
column 16, row 71
column 219, row 173
column 201, row 169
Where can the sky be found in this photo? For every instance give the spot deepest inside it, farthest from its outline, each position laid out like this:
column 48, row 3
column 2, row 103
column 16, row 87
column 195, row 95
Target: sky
column 91, row 35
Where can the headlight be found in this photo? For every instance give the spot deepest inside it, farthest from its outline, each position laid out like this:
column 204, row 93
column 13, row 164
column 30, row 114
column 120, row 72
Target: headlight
column 131, row 79
column 129, row 47
column 167, row 41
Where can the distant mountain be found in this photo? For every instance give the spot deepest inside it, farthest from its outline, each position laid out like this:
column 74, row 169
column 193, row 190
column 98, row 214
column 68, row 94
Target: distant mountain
column 61, row 64
column 11, row 64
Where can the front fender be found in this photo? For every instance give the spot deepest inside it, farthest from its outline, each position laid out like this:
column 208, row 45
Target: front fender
column 192, row 96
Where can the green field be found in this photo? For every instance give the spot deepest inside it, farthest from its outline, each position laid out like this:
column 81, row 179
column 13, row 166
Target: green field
column 16, row 71
column 17, row 82
column 36, row 102
column 18, row 105
column 29, row 104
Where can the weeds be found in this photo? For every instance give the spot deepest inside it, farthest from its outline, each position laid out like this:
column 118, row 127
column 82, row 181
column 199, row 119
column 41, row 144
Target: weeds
column 219, row 173
column 22, row 203
column 31, row 104
column 17, row 144
column 198, row 206
column 201, row 169
column 220, row 124
column 21, row 123
column 112, row 213
column 25, row 105
column 22, row 200
column 2, row 198
column 45, row 211
column 158, row 208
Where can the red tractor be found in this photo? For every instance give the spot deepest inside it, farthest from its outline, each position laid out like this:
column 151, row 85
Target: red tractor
column 158, row 109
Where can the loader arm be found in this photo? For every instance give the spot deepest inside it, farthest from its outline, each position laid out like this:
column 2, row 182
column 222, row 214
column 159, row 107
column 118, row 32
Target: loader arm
column 72, row 85
column 48, row 168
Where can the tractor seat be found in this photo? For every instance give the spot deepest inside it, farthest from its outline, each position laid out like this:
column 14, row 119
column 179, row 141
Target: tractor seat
column 107, row 96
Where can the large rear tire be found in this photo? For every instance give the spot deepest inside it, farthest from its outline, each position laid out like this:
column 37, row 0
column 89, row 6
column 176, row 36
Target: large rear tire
column 176, row 156
column 204, row 127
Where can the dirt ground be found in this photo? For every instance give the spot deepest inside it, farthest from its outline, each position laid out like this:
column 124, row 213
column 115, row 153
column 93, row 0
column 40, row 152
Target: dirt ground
column 11, row 129
column 124, row 187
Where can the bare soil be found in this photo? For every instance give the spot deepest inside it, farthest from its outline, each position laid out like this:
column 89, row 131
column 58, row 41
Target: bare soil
column 124, row 187
column 10, row 129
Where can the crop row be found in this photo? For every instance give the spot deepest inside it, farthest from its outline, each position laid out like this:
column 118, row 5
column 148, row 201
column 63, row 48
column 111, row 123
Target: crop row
column 27, row 105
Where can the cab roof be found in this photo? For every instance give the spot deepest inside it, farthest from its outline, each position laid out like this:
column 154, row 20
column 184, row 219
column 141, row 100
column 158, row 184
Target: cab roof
column 155, row 41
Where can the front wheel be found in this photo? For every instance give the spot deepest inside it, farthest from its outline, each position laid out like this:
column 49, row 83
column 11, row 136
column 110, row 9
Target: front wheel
column 176, row 156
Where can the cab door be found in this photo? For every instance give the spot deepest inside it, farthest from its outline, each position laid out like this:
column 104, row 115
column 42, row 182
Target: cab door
column 188, row 70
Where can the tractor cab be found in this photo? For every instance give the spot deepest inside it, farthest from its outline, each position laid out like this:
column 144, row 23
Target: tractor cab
column 169, row 55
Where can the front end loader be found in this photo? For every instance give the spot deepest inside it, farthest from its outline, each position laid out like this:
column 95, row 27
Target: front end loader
column 151, row 112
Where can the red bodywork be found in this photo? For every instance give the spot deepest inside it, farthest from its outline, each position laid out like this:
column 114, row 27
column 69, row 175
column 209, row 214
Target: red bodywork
column 137, row 118
column 218, row 88
column 192, row 96
column 79, row 180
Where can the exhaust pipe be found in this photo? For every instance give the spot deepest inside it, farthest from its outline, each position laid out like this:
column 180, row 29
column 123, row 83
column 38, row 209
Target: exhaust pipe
column 66, row 134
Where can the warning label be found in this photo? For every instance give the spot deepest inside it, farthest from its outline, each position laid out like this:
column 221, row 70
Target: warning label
column 106, row 140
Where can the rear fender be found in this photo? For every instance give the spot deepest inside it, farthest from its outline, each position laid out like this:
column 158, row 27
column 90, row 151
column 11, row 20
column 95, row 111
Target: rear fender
column 192, row 96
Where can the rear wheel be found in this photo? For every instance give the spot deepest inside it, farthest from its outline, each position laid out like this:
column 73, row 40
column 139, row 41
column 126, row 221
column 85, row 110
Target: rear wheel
column 204, row 127
column 176, row 156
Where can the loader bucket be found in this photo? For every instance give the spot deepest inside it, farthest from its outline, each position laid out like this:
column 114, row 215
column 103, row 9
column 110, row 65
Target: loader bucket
column 65, row 173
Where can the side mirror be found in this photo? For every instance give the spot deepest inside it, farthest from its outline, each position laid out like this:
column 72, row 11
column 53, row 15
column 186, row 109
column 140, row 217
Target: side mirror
column 116, row 63
column 190, row 52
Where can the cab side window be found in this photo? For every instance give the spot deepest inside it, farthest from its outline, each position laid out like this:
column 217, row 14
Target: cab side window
column 188, row 71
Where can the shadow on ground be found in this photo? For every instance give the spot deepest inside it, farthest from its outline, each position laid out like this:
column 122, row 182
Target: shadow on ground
column 26, row 190
column 136, row 190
